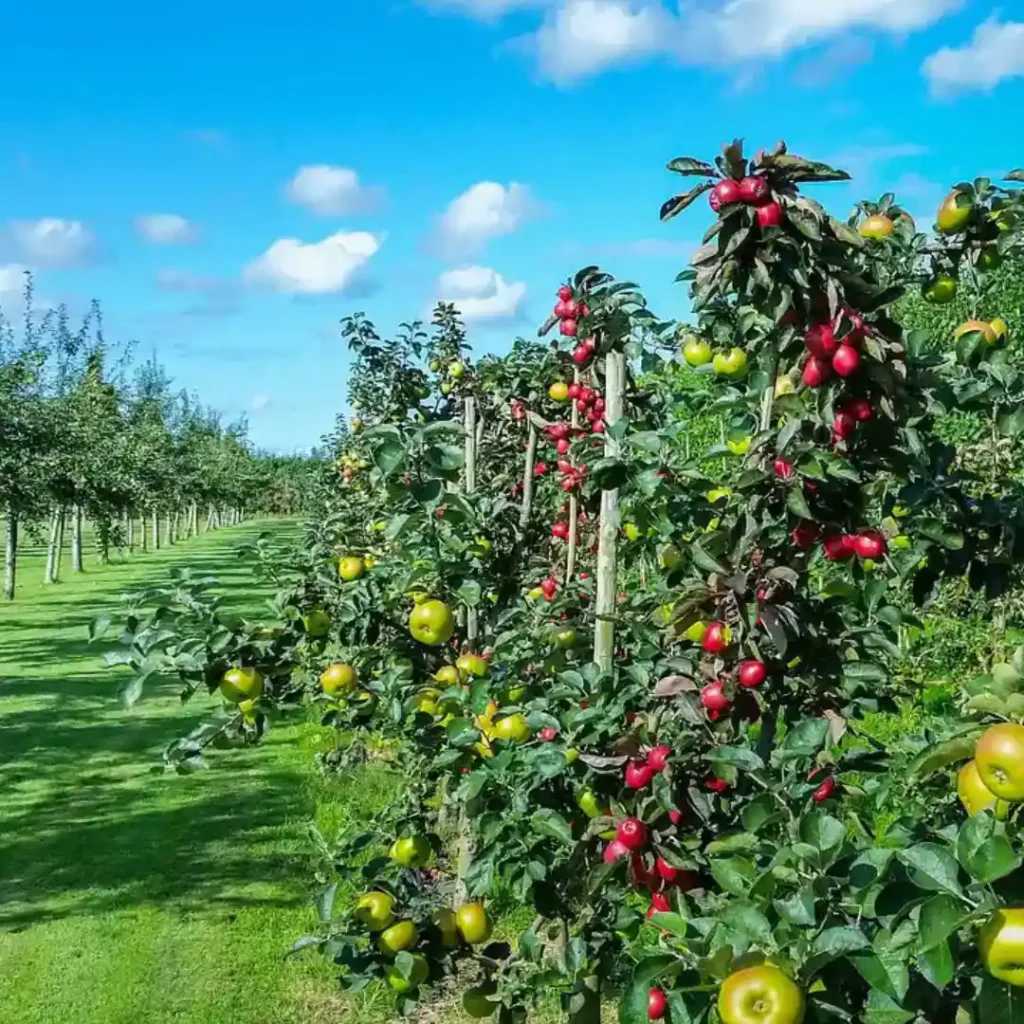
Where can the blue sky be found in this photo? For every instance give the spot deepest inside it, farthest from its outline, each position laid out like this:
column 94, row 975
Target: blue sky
column 230, row 179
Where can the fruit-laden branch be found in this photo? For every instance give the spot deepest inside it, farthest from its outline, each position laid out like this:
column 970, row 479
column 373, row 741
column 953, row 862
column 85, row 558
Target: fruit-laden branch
column 574, row 504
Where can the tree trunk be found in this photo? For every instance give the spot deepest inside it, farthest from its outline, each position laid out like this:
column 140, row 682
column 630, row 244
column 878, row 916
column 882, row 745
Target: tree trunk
column 156, row 529
column 50, row 575
column 604, row 630
column 574, row 501
column 469, row 485
column 103, row 541
column 531, row 458
column 76, row 538
column 194, row 529
column 59, row 554
column 11, row 554
column 130, row 533
column 143, row 534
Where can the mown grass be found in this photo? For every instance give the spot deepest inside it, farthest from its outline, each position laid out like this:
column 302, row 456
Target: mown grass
column 127, row 895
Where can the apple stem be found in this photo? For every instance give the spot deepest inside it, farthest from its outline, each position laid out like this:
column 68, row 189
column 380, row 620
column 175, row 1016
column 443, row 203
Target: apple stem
column 570, row 559
column 604, row 629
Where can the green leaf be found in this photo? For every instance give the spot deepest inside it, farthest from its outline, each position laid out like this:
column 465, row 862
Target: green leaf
column 939, row 532
column 704, row 561
column 734, row 874
column 687, row 165
column 939, row 918
column 470, row 592
column 388, row 455
column 797, row 503
column 798, row 909
column 746, row 919
column 983, row 849
column 548, row 822
column 932, row 867
column 835, row 942
column 883, row 1009
column 960, row 748
column 999, row 1003
column 806, row 738
column 738, row 757
column 937, row 965
column 821, row 830
column 870, row 867
column 674, row 206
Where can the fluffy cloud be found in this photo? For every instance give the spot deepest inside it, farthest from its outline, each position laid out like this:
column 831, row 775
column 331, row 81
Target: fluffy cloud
column 484, row 211
column 995, row 52
column 165, row 229
column 580, row 38
column 12, row 284
column 330, row 191
column 481, row 293
column 314, row 268
column 53, row 242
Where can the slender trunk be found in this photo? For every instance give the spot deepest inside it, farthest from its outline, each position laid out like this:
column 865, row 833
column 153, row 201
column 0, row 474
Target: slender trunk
column 103, row 541
column 59, row 553
column 155, row 523
column 174, row 527
column 11, row 554
column 531, row 458
column 209, row 519
column 51, row 548
column 130, row 532
column 469, row 482
column 195, row 519
column 76, row 538
column 604, row 630
column 574, row 502
column 143, row 534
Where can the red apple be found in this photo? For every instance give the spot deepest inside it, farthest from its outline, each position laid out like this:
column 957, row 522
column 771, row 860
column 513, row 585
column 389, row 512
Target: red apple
column 843, row 425
column 632, row 833
column 580, row 355
column 816, row 372
column 821, row 341
column 861, row 409
column 783, row 468
column 638, row 775
column 562, row 445
column 870, row 544
column 716, row 785
column 714, row 698
column 753, row 190
column 717, row 637
column 752, row 673
column 658, row 758
column 560, row 531
column 824, row 791
column 657, row 1004
column 769, row 215
column 574, row 390
column 805, row 535
column 614, row 851
column 565, row 293
column 724, row 194
column 548, row 733
column 675, row 817
column 659, row 904
column 839, row 547
column 668, row 873
column 560, row 309
column 568, row 328
column 590, row 342
column 846, row 361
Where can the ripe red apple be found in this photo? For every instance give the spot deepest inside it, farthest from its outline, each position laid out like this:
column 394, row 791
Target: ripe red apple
column 824, row 791
column 716, row 785
column 870, row 544
column 562, row 445
column 860, row 408
column 753, row 190
column 559, row 309
column 614, row 851
column 805, row 535
column 724, row 193
column 599, row 427
column 639, row 775
column 587, row 395
column 657, row 1004
column 590, row 342
column 560, row 531
column 659, row 904
column 568, row 328
column 565, row 293
column 557, row 431
column 574, row 390
column 565, row 467
column 816, row 372
column 783, row 468
column 580, row 355
column 675, row 817
column 769, row 215
column 843, row 425
column 717, row 637
column 839, row 547
column 632, row 833
column 821, row 341
column 658, row 758
column 666, row 872
column 752, row 673
column 846, row 360
column 714, row 698
column 548, row 733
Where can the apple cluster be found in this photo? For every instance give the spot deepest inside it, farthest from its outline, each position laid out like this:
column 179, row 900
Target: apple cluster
column 752, row 190
column 569, row 313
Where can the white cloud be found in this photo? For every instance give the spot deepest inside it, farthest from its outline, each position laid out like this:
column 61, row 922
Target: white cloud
column 53, row 242
column 260, row 402
column 484, row 211
column 330, row 191
column 995, row 52
column 314, row 268
column 166, row 229
column 583, row 37
column 580, row 38
column 481, row 293
column 12, row 284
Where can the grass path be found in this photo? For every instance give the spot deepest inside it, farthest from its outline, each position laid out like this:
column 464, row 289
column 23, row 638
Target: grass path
column 129, row 896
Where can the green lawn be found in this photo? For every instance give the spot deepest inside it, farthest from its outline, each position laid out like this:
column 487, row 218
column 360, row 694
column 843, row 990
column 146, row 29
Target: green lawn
column 128, row 896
